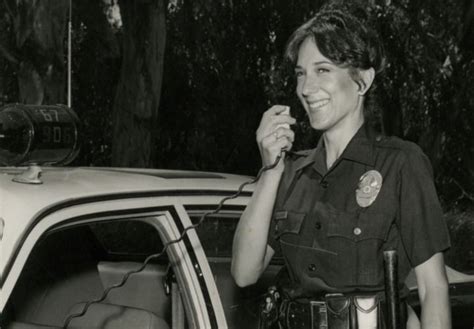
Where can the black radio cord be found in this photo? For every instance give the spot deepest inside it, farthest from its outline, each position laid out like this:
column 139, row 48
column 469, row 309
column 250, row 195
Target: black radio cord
column 127, row 275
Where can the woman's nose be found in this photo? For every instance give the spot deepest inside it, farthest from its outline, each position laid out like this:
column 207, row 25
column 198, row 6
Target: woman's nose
column 310, row 86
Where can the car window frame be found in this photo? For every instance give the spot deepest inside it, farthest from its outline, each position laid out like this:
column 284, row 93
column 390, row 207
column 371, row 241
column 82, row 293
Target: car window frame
column 227, row 211
column 200, row 311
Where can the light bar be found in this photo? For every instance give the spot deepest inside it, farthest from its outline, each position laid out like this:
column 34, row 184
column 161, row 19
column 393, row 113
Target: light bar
column 38, row 134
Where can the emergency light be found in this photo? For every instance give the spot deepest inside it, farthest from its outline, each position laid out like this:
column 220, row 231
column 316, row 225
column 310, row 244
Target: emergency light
column 38, row 135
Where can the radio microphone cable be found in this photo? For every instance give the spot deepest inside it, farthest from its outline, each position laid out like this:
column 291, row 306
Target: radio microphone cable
column 127, row 275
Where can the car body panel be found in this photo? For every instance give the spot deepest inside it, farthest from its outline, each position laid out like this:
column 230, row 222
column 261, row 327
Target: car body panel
column 22, row 204
column 68, row 196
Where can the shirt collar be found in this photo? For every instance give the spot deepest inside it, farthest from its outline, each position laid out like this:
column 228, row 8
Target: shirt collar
column 360, row 149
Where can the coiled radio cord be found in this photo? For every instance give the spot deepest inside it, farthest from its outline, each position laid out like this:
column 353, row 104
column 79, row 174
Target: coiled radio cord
column 127, row 275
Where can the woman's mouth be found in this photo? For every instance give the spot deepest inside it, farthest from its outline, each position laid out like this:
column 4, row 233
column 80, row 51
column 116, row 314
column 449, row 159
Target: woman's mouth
column 318, row 104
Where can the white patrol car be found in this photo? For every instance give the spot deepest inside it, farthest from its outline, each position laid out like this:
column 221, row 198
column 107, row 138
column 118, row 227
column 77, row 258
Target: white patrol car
column 81, row 230
column 74, row 240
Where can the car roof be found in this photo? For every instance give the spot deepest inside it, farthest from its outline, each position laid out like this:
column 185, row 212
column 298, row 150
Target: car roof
column 66, row 183
column 20, row 203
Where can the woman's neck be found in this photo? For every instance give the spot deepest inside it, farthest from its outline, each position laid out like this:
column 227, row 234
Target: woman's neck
column 336, row 140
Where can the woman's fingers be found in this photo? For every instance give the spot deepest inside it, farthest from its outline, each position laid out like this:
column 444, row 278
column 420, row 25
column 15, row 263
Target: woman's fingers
column 272, row 120
column 284, row 132
column 274, row 133
column 276, row 110
column 273, row 142
column 272, row 146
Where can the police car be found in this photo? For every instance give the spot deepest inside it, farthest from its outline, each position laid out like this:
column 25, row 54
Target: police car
column 113, row 247
column 110, row 247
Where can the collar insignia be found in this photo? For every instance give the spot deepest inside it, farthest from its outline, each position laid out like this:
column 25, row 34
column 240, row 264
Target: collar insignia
column 368, row 188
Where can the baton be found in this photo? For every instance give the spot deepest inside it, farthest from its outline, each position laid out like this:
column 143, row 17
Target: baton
column 391, row 288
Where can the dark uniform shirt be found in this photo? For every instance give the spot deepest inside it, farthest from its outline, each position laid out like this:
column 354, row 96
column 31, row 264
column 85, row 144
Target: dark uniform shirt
column 330, row 242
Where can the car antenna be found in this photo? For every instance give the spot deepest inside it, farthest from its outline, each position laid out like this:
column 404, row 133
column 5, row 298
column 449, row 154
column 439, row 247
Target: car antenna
column 69, row 56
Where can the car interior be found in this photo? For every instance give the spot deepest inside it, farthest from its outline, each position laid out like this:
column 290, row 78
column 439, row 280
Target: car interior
column 71, row 266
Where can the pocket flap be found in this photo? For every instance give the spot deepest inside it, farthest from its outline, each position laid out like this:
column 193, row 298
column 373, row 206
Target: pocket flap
column 366, row 225
column 288, row 221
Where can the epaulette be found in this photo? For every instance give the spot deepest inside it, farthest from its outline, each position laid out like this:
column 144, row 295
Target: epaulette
column 379, row 138
column 396, row 143
column 384, row 141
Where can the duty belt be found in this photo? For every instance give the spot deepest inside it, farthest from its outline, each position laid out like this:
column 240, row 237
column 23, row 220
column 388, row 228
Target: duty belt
column 336, row 311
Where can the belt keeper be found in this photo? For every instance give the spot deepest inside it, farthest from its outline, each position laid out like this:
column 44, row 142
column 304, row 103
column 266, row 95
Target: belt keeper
column 376, row 300
column 322, row 314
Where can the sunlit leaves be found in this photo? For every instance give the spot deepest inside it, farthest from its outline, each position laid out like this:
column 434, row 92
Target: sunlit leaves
column 111, row 10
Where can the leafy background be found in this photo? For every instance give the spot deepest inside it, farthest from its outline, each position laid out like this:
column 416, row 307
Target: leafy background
column 223, row 68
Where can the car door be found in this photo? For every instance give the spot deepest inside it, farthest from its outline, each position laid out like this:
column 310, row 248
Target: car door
column 78, row 250
column 216, row 232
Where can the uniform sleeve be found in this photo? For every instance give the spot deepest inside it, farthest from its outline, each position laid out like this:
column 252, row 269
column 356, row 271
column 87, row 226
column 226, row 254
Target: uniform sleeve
column 422, row 225
column 272, row 239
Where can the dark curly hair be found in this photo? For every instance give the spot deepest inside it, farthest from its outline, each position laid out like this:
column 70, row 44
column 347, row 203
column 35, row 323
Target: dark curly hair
column 345, row 39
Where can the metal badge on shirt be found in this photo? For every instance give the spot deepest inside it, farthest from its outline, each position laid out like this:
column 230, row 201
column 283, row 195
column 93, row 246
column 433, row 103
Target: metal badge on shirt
column 368, row 188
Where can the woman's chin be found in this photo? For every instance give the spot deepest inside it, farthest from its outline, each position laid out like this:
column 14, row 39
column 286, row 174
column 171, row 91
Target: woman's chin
column 318, row 124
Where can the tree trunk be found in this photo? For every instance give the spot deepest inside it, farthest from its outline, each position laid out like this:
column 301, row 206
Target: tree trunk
column 139, row 90
column 39, row 28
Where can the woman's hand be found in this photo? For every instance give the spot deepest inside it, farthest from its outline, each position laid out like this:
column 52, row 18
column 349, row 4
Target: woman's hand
column 274, row 134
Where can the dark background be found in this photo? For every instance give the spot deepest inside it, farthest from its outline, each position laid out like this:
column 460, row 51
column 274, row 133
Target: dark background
column 182, row 84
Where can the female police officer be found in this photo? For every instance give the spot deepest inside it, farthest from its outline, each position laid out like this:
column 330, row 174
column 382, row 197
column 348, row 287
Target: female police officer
column 334, row 209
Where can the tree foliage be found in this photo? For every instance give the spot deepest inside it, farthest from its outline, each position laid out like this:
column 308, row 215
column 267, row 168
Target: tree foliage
column 223, row 68
column 138, row 92
column 32, row 45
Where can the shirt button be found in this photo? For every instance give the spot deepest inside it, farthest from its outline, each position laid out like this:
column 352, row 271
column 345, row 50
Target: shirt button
column 317, row 225
column 324, row 184
column 312, row 267
column 357, row 231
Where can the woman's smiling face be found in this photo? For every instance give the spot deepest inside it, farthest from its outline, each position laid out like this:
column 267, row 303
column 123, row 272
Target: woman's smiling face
column 328, row 93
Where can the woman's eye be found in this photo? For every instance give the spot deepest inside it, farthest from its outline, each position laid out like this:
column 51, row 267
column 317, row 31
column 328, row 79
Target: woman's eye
column 298, row 74
column 322, row 70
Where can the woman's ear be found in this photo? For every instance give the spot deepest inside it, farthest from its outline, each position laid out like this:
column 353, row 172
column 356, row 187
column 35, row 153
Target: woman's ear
column 366, row 79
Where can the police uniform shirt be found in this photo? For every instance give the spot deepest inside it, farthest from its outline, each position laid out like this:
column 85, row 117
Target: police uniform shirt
column 329, row 241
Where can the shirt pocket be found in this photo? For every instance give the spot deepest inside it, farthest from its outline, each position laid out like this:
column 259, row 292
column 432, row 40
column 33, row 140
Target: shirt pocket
column 288, row 223
column 359, row 238
column 360, row 226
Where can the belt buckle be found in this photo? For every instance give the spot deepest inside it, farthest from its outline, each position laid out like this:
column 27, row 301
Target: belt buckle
column 322, row 315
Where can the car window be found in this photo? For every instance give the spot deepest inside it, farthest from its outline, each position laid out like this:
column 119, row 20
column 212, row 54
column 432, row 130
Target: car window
column 217, row 233
column 75, row 264
column 127, row 237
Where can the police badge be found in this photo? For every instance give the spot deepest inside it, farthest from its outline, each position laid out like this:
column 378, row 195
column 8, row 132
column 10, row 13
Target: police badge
column 368, row 188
